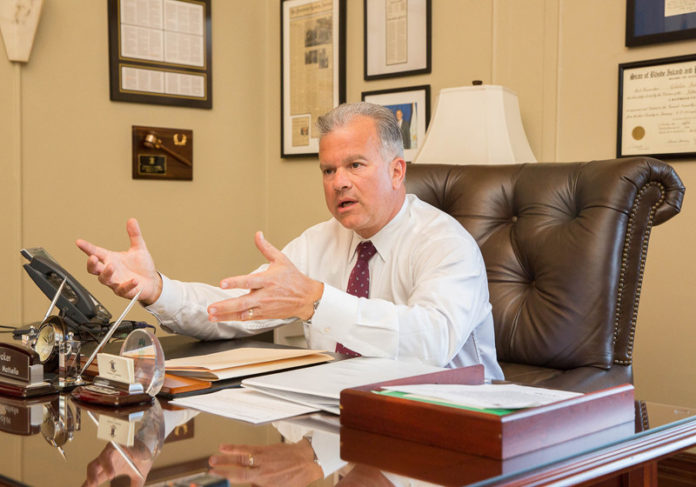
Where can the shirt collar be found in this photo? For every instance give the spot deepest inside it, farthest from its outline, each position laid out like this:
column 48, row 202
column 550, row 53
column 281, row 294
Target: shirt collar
column 385, row 239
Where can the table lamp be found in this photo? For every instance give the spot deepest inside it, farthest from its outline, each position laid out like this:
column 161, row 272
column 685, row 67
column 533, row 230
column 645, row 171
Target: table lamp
column 478, row 124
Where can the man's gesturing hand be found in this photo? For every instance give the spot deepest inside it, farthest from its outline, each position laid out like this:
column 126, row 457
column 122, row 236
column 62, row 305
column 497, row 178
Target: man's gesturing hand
column 281, row 291
column 125, row 272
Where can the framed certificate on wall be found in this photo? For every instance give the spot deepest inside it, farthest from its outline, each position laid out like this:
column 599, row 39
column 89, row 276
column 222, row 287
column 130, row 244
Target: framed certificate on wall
column 160, row 52
column 657, row 108
column 313, row 70
column 397, row 38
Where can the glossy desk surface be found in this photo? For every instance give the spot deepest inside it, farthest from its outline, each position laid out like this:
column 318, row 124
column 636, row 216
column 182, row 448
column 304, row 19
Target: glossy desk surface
column 62, row 442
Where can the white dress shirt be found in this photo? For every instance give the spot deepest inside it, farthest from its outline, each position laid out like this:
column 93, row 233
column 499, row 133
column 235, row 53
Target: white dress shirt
column 428, row 293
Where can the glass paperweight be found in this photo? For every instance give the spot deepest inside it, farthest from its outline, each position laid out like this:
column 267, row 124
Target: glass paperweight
column 146, row 351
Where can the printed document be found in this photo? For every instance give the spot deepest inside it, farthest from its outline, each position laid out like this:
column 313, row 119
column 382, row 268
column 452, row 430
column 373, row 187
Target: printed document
column 320, row 386
column 244, row 404
column 484, row 396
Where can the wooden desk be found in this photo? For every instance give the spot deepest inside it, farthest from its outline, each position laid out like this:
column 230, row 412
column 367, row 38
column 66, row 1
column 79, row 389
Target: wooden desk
column 625, row 458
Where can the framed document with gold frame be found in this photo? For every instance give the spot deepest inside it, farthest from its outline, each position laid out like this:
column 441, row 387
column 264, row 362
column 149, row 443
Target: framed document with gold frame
column 160, row 52
column 312, row 70
column 657, row 107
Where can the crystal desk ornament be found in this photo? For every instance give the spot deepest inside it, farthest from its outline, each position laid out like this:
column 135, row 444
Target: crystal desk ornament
column 134, row 376
column 69, row 362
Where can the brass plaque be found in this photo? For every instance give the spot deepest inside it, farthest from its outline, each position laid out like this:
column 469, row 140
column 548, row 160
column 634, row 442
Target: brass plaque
column 152, row 164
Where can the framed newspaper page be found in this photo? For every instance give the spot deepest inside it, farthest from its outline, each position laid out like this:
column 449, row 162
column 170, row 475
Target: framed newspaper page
column 397, row 38
column 411, row 107
column 312, row 70
column 655, row 21
column 657, row 108
column 160, row 52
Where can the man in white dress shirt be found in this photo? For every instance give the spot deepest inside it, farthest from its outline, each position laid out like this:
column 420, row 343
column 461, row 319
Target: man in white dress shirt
column 428, row 291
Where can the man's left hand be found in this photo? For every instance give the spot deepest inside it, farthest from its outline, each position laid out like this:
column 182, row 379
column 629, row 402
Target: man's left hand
column 281, row 291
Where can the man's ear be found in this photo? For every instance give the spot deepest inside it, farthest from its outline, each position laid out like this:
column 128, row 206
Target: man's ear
column 397, row 169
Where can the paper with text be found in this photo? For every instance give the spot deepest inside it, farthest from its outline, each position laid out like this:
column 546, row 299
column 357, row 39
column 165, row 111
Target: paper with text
column 244, row 404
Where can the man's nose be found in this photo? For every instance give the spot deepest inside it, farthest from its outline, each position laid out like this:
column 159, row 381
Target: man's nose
column 341, row 180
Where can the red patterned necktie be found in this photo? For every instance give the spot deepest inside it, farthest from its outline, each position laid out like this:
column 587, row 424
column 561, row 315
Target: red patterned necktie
column 359, row 282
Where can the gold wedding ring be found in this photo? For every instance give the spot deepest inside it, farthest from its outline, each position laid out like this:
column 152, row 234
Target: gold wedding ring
column 251, row 457
column 250, row 315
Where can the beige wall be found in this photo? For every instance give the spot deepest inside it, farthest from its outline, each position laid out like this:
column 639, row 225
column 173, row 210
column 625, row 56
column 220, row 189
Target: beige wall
column 74, row 154
column 65, row 148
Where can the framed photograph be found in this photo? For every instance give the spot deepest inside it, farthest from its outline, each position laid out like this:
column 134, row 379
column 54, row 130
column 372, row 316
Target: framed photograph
column 161, row 52
column 411, row 106
column 397, row 38
column 313, row 65
column 657, row 108
column 654, row 21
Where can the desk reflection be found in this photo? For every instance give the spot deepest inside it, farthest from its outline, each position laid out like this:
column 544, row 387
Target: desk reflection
column 76, row 444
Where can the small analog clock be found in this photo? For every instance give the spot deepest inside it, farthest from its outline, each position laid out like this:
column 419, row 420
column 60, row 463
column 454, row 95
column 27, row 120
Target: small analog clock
column 51, row 333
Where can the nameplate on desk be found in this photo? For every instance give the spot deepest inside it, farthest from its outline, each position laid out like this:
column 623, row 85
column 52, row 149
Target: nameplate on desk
column 116, row 368
column 20, row 363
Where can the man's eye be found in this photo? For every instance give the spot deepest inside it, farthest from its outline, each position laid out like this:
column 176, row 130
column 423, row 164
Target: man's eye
column 328, row 172
column 355, row 165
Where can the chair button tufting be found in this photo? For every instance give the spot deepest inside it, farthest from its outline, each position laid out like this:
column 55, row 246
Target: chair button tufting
column 514, row 219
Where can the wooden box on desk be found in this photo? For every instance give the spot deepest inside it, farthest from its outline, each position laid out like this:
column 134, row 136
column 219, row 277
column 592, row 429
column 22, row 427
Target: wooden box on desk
column 477, row 432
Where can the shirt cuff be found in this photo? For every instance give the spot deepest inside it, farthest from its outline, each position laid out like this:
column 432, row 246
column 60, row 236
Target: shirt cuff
column 337, row 311
column 170, row 298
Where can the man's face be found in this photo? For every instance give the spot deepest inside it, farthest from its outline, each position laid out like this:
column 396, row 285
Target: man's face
column 362, row 190
column 399, row 115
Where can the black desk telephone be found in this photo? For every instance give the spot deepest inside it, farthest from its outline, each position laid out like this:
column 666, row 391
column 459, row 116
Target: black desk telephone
column 78, row 307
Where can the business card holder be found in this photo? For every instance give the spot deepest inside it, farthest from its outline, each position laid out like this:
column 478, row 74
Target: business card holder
column 134, row 376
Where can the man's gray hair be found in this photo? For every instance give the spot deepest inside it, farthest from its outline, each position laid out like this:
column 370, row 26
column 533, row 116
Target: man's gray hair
column 391, row 143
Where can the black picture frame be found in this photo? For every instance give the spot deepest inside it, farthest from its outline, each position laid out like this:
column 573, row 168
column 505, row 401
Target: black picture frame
column 152, row 78
column 414, row 103
column 656, row 108
column 412, row 57
column 313, row 41
column 646, row 23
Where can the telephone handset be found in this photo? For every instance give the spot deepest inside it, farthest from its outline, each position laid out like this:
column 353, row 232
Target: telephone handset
column 77, row 305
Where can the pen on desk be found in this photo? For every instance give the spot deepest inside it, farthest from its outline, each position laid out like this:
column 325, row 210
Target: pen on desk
column 119, row 449
column 110, row 332
column 55, row 299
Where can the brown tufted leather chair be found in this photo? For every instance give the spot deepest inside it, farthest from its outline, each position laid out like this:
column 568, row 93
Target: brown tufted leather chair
column 565, row 247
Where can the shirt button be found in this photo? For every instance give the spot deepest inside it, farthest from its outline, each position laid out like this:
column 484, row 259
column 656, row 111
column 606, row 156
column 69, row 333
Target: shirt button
column 326, row 330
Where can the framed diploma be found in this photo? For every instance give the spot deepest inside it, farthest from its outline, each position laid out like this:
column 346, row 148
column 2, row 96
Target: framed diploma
column 657, row 108
column 312, row 70
column 397, row 38
column 160, row 52
column 653, row 21
column 411, row 107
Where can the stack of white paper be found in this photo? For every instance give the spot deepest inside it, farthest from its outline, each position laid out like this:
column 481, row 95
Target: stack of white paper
column 320, row 386
column 244, row 404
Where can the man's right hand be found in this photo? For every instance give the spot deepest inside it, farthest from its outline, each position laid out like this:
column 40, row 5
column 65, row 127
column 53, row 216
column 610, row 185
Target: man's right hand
column 125, row 272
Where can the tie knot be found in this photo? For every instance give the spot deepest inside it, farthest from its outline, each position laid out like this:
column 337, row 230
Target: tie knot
column 366, row 250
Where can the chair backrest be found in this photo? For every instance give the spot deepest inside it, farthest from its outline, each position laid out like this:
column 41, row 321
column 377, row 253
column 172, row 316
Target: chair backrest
column 564, row 246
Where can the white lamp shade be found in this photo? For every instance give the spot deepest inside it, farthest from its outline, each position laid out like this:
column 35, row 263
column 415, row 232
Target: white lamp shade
column 476, row 125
